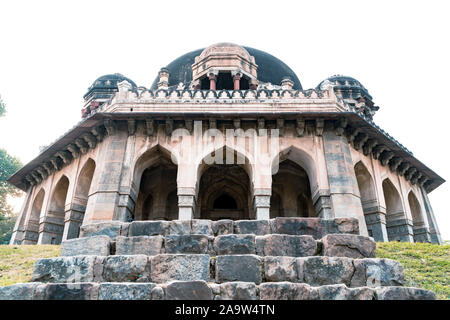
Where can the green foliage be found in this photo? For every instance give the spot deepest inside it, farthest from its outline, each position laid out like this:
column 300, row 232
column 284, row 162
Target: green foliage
column 426, row 265
column 2, row 107
column 8, row 165
column 6, row 228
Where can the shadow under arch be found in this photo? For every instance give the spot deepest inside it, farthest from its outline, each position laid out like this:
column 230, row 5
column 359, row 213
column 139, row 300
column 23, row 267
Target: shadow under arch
column 154, row 184
column 420, row 230
column 218, row 179
column 397, row 226
column 294, row 181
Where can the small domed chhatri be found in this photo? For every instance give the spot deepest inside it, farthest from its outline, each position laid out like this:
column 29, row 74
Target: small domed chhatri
column 197, row 172
column 102, row 90
column 352, row 91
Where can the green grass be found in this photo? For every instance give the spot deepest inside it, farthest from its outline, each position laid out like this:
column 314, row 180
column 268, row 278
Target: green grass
column 426, row 265
column 16, row 262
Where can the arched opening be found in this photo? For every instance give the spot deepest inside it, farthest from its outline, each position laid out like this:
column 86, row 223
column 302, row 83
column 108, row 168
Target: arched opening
column 56, row 213
column 368, row 196
column 224, row 190
column 291, row 185
column 396, row 223
column 419, row 227
column 32, row 229
column 79, row 202
column 276, row 209
column 156, row 175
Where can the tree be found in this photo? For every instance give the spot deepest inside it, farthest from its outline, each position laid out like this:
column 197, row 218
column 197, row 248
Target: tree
column 2, row 107
column 8, row 165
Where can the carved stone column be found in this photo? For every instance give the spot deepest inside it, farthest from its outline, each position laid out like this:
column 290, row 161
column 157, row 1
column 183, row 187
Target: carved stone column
column 186, row 203
column 236, row 79
column 261, row 203
column 212, row 81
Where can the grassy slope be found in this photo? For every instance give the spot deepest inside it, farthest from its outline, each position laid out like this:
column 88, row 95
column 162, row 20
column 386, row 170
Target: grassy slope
column 16, row 262
column 426, row 266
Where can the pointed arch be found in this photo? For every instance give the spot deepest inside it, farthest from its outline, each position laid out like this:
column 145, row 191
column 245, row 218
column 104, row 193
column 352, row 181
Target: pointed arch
column 368, row 197
column 218, row 179
column 80, row 199
column 396, row 223
column 32, row 227
column 55, row 216
column 421, row 233
column 155, row 182
column 294, row 178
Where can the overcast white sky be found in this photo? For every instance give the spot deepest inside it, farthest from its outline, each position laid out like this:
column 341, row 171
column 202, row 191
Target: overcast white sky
column 51, row 52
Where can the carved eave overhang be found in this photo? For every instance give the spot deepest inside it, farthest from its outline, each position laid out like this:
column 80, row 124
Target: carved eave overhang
column 320, row 106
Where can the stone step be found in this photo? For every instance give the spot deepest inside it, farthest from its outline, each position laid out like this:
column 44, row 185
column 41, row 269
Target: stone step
column 339, row 245
column 161, row 268
column 202, row 290
column 315, row 227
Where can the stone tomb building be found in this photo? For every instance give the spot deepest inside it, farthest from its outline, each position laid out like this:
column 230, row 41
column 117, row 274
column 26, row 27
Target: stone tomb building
column 226, row 132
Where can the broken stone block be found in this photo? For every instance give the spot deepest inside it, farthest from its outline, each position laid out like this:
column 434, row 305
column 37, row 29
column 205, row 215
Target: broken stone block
column 298, row 226
column 319, row 271
column 111, row 229
column 375, row 272
column 222, row 227
column 201, row 226
column 238, row 268
column 284, row 291
column 286, row 245
column 342, row 292
column 183, row 267
column 190, row 243
column 68, row 269
column 125, row 291
column 256, row 227
column 71, row 291
column 188, row 290
column 280, row 269
column 94, row 245
column 125, row 268
column 238, row 291
column 234, row 244
column 348, row 245
column 180, row 227
column 404, row 293
column 147, row 245
column 19, row 291
column 148, row 228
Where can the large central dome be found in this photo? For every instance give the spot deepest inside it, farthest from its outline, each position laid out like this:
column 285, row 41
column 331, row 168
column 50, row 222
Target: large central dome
column 270, row 68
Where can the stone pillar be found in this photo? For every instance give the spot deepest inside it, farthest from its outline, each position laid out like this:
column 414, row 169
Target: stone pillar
column 73, row 220
column 261, row 203
column 186, row 203
column 51, row 229
column 435, row 235
column 236, row 79
column 400, row 229
column 341, row 178
column 111, row 197
column 376, row 222
column 212, row 81
column 19, row 228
